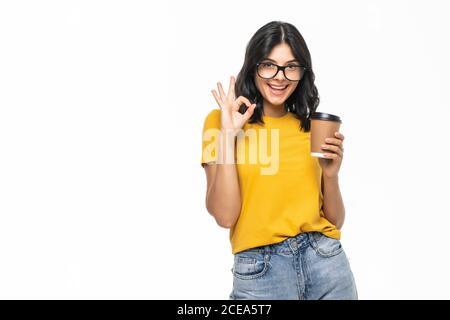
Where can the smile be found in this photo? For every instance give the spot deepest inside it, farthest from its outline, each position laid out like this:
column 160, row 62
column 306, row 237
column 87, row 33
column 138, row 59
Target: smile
column 277, row 90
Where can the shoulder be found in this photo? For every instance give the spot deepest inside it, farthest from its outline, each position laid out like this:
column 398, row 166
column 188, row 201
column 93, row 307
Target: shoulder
column 212, row 119
column 213, row 114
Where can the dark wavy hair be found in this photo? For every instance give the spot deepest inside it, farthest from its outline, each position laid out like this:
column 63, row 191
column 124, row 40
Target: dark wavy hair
column 305, row 98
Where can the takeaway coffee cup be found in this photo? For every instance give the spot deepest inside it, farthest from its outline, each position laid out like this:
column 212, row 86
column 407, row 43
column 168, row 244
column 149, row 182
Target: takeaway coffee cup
column 323, row 125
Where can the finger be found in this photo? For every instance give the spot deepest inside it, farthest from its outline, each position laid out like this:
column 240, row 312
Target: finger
column 335, row 149
column 231, row 90
column 339, row 135
column 249, row 112
column 242, row 99
column 221, row 92
column 331, row 155
column 219, row 102
column 334, row 141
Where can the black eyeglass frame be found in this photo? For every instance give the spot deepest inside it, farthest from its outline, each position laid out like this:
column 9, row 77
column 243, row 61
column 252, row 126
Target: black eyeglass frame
column 282, row 69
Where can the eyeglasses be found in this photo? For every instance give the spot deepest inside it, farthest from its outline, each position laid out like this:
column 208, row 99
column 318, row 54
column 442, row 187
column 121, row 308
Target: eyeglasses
column 292, row 72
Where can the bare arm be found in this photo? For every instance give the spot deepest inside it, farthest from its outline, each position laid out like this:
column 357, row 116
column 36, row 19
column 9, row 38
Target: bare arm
column 333, row 206
column 223, row 197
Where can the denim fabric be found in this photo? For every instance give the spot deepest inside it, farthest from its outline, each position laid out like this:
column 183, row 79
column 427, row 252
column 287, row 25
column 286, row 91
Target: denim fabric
column 309, row 266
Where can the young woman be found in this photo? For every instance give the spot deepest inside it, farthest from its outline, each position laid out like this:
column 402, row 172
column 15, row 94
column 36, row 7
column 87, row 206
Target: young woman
column 283, row 207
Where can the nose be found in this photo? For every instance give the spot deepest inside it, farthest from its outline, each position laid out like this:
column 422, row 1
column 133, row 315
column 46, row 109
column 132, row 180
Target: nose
column 279, row 75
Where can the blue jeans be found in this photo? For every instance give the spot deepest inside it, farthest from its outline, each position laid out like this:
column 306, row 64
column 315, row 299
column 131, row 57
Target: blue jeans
column 309, row 266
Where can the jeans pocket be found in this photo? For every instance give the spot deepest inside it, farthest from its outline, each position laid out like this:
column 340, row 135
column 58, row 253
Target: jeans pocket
column 250, row 265
column 325, row 246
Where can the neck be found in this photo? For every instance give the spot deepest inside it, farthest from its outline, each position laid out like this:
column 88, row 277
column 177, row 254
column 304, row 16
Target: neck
column 271, row 110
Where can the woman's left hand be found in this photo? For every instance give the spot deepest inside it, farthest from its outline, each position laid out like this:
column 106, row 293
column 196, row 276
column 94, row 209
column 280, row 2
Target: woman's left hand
column 334, row 152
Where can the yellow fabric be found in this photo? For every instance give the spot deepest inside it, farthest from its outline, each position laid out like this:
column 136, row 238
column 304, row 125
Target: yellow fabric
column 280, row 203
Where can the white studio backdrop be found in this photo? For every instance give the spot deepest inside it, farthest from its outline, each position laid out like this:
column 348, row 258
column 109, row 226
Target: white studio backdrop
column 102, row 103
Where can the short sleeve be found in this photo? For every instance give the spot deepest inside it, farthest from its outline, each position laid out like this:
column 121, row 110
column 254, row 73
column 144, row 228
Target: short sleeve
column 210, row 135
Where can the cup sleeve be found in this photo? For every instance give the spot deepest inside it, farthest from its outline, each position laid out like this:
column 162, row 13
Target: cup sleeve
column 211, row 130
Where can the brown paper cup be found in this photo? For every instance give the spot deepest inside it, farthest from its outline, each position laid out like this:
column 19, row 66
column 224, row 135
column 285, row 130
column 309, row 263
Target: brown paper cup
column 323, row 125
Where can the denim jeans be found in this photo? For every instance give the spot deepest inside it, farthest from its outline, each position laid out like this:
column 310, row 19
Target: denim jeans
column 309, row 266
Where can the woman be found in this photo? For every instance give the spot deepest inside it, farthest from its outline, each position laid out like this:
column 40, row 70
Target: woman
column 284, row 210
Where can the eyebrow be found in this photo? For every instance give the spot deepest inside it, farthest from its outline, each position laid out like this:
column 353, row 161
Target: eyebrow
column 286, row 61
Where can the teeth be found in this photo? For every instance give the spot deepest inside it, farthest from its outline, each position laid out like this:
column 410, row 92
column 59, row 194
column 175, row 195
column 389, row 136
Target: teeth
column 279, row 88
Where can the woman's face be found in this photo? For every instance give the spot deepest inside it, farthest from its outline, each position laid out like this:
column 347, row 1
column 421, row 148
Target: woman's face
column 282, row 56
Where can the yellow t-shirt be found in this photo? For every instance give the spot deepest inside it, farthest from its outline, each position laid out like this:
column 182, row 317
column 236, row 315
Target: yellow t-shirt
column 280, row 182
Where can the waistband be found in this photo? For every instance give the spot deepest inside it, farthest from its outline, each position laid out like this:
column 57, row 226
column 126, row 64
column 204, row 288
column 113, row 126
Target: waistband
column 289, row 245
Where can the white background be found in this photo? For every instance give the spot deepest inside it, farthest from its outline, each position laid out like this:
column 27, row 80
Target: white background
column 102, row 103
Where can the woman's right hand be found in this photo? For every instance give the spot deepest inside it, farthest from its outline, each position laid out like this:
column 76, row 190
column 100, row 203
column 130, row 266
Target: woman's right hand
column 231, row 118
